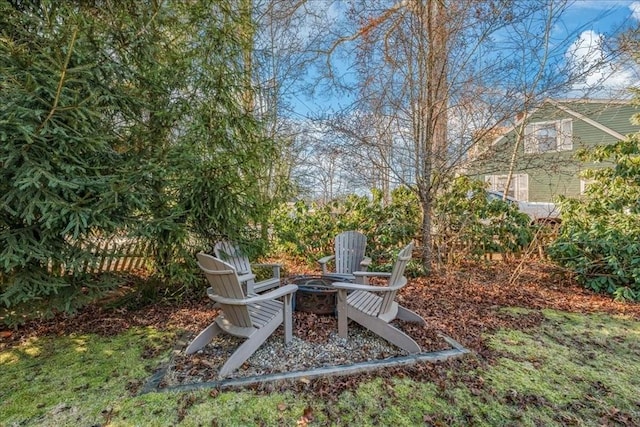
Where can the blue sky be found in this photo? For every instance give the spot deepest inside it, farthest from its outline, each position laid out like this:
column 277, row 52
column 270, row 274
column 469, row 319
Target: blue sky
column 590, row 21
column 602, row 15
column 585, row 22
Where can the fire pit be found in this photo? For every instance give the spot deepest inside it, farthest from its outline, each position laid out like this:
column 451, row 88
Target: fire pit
column 315, row 294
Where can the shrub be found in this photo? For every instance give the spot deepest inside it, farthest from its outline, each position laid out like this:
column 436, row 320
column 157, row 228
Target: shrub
column 598, row 241
column 603, row 252
column 307, row 231
column 467, row 224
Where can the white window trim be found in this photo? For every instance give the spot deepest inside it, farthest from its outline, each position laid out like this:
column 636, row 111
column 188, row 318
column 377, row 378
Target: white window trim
column 584, row 183
column 519, row 183
column 564, row 136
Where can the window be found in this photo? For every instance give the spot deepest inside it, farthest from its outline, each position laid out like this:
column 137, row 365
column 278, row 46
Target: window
column 584, row 183
column 518, row 188
column 546, row 137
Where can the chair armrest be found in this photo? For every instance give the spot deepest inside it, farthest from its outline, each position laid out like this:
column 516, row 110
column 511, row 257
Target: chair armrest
column 371, row 274
column 326, row 259
column 323, row 262
column 276, row 293
column 359, row 287
column 246, row 277
column 365, row 263
column 267, row 265
column 274, row 267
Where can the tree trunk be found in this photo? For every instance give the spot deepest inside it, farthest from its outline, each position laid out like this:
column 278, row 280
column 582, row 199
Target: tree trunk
column 432, row 126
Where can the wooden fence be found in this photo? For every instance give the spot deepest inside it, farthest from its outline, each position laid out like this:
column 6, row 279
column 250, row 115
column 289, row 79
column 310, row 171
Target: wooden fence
column 112, row 254
column 451, row 249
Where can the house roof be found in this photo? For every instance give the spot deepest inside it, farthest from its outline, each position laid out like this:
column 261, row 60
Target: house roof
column 588, row 120
column 564, row 105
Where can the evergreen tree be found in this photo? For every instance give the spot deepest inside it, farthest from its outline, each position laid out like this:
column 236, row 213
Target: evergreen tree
column 119, row 116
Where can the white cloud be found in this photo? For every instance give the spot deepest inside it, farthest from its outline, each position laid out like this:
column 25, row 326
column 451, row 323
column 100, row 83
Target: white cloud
column 635, row 10
column 598, row 75
column 587, row 48
column 598, row 4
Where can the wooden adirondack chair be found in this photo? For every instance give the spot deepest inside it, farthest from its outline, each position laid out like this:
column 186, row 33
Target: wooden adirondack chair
column 230, row 253
column 254, row 317
column 374, row 307
column 350, row 247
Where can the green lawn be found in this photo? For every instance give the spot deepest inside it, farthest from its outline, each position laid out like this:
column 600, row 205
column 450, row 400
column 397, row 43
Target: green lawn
column 573, row 369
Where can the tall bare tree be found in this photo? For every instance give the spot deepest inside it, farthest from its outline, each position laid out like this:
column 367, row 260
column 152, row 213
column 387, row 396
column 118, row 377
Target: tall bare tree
column 436, row 77
column 282, row 34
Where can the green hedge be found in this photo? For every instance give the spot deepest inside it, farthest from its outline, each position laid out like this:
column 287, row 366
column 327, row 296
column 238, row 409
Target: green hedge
column 600, row 235
column 306, row 231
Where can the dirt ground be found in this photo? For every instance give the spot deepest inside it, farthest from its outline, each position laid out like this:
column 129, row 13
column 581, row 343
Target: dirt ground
column 464, row 304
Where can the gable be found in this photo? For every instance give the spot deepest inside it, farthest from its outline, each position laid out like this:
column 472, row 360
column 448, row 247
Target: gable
column 561, row 128
column 606, row 117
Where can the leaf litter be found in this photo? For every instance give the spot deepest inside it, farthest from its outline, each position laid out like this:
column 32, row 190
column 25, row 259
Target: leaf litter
column 464, row 304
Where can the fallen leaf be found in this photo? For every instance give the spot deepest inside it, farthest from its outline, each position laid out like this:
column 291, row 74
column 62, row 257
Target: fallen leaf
column 307, row 417
column 308, row 413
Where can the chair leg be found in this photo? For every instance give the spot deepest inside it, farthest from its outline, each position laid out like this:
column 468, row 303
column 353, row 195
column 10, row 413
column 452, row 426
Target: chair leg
column 287, row 318
column 343, row 314
column 249, row 347
column 409, row 316
column 379, row 327
column 203, row 338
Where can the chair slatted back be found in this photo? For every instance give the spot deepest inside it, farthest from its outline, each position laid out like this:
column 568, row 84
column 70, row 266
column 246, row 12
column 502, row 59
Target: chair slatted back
column 397, row 279
column 350, row 248
column 228, row 252
column 224, row 281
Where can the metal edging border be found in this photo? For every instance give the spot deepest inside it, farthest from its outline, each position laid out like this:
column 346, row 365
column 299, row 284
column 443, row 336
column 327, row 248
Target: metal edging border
column 152, row 385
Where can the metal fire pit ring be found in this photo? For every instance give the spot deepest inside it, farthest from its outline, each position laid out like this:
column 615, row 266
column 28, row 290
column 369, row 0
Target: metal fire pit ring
column 315, row 293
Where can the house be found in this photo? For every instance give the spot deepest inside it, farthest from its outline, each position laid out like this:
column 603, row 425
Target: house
column 543, row 144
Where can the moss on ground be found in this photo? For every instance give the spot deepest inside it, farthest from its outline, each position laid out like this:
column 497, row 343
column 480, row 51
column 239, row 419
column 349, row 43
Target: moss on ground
column 77, row 379
column 573, row 369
